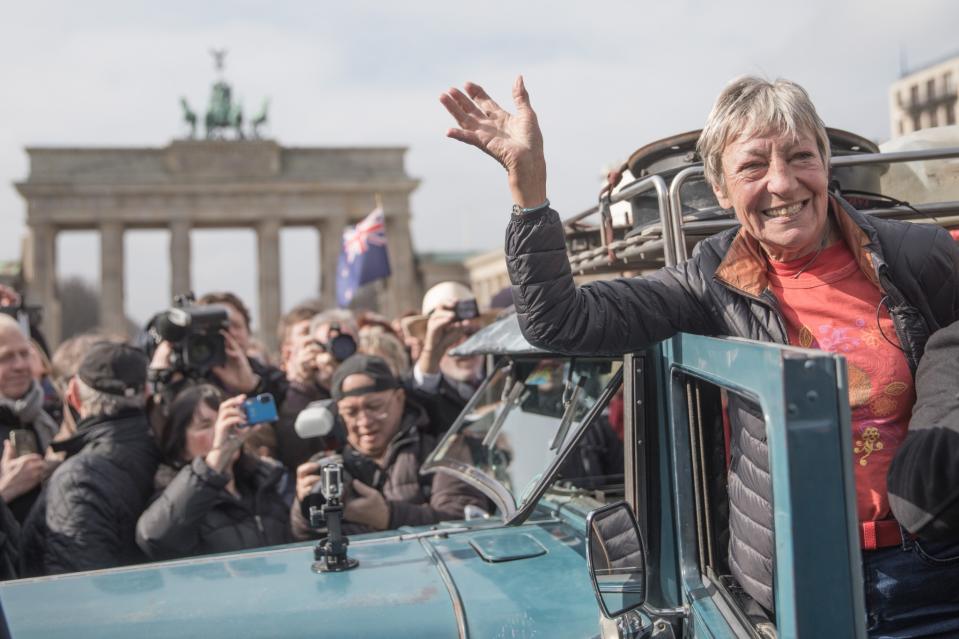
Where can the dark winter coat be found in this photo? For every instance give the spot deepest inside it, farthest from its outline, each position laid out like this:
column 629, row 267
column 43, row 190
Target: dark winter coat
column 924, row 475
column 723, row 290
column 291, row 449
column 10, row 555
column 194, row 514
column 94, row 498
column 413, row 500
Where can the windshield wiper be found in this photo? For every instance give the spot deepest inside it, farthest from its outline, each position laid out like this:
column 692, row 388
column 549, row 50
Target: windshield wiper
column 511, row 397
column 571, row 405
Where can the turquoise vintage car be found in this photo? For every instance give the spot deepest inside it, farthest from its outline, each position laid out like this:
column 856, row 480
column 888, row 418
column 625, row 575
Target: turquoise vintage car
column 548, row 561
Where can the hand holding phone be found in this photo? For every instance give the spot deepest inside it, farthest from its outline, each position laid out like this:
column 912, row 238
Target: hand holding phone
column 24, row 442
column 19, row 475
column 228, row 433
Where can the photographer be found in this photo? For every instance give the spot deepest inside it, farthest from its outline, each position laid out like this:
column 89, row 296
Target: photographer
column 446, row 383
column 212, row 497
column 314, row 356
column 388, row 439
column 196, row 345
column 294, row 328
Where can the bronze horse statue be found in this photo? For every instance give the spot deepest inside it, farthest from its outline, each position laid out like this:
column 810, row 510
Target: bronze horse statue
column 223, row 113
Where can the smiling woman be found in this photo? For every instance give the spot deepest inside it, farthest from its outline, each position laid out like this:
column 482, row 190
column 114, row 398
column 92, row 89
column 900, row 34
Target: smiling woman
column 804, row 268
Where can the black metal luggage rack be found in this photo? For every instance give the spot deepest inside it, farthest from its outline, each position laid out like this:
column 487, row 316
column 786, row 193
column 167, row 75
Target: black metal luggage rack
column 672, row 208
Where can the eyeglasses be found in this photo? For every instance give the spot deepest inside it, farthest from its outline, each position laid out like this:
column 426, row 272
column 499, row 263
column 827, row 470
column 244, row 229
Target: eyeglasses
column 375, row 410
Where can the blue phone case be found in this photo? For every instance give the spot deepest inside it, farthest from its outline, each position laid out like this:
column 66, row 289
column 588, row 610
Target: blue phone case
column 259, row 409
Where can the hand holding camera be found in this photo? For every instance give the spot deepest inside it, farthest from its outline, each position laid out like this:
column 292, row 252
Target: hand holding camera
column 447, row 323
column 228, row 434
column 304, row 365
column 367, row 506
column 236, row 374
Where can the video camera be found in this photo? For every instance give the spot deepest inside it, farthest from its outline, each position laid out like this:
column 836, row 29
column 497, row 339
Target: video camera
column 194, row 332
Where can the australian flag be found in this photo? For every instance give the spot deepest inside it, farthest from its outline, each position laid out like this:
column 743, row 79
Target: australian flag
column 363, row 256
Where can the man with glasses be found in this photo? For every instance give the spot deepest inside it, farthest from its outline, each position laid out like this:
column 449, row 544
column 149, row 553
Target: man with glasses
column 388, row 439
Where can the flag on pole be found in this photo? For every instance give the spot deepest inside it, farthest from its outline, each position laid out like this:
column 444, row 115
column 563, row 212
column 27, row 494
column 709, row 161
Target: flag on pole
column 363, row 256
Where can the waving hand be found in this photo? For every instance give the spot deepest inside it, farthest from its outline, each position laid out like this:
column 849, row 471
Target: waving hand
column 512, row 139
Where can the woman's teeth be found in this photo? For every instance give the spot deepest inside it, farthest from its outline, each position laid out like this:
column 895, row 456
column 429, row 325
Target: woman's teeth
column 785, row 211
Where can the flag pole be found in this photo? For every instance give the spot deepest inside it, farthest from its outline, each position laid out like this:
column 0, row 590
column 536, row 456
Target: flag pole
column 378, row 200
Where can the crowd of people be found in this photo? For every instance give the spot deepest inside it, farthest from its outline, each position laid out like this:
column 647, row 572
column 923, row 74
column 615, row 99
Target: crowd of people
column 117, row 452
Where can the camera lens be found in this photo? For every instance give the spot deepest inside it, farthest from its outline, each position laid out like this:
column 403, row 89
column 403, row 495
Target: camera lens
column 199, row 350
column 342, row 346
column 264, row 399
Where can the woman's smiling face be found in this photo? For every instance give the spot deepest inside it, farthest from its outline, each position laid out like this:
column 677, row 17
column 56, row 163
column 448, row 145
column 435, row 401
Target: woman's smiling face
column 777, row 185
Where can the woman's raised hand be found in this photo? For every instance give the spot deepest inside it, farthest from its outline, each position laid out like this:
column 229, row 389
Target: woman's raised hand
column 512, row 139
column 228, row 434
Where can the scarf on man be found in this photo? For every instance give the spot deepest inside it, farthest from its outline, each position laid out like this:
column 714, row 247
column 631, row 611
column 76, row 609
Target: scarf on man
column 29, row 410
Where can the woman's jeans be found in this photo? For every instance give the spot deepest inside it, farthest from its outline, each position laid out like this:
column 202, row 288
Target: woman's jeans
column 912, row 590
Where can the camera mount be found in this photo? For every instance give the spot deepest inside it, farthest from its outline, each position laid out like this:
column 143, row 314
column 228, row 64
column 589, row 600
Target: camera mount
column 330, row 552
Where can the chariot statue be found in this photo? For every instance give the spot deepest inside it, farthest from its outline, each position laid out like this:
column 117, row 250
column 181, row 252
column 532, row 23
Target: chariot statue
column 223, row 114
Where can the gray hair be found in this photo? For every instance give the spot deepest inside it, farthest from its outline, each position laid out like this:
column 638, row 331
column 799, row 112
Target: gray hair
column 752, row 106
column 376, row 340
column 341, row 316
column 94, row 402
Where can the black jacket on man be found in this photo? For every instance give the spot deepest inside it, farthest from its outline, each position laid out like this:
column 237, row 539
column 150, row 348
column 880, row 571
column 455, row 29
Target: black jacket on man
column 924, row 475
column 194, row 513
column 94, row 498
column 723, row 290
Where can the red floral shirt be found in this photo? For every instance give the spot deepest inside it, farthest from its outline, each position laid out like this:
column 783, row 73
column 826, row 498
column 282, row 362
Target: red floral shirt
column 832, row 306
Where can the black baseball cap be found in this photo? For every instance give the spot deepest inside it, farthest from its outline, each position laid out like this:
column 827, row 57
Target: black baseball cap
column 373, row 367
column 117, row 369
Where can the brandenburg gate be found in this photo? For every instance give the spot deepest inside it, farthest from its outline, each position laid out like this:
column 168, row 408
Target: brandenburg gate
column 211, row 183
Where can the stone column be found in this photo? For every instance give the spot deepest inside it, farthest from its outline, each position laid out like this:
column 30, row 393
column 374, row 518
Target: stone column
column 268, row 273
column 112, row 317
column 402, row 292
column 180, row 266
column 331, row 237
column 41, row 279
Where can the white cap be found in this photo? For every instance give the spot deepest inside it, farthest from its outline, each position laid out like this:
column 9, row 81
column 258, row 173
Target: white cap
column 445, row 291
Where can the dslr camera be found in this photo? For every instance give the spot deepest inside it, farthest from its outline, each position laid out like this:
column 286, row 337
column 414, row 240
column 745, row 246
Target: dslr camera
column 194, row 332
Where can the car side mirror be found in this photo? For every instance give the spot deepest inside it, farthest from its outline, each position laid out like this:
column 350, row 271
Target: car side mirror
column 616, row 558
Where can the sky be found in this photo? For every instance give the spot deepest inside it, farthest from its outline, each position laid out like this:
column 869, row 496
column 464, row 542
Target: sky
column 604, row 77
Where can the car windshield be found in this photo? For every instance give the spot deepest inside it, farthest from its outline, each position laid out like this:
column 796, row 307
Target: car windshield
column 520, row 420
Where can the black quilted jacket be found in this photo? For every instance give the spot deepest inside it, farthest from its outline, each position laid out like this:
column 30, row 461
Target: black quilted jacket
column 94, row 498
column 194, row 513
column 722, row 290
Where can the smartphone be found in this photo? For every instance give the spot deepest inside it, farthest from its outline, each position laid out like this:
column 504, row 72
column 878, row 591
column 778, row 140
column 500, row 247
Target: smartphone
column 259, row 409
column 24, row 442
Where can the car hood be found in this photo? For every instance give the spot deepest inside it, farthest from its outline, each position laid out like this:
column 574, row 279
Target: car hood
column 532, row 577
